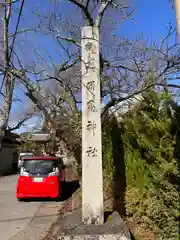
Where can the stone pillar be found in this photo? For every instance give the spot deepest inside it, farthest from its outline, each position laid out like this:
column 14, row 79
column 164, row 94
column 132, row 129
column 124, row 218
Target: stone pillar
column 92, row 176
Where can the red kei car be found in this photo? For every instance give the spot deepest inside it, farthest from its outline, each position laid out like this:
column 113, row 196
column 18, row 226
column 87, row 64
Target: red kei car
column 40, row 177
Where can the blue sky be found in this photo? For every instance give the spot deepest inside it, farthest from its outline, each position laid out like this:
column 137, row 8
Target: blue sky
column 151, row 18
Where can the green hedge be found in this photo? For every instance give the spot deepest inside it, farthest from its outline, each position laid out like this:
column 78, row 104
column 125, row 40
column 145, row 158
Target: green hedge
column 151, row 171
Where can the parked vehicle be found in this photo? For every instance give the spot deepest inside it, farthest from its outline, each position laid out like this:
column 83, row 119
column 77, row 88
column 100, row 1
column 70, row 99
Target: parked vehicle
column 41, row 177
column 22, row 156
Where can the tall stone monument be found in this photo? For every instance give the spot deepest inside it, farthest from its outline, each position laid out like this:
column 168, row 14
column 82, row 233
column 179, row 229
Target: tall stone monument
column 92, row 176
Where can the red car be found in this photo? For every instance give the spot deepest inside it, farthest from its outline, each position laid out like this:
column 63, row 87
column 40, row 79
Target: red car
column 40, row 177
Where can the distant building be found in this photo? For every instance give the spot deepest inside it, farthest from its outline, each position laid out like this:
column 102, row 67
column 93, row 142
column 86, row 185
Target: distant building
column 39, row 137
column 124, row 106
column 38, row 142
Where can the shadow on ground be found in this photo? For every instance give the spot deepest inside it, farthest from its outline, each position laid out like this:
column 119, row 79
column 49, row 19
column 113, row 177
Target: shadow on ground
column 9, row 173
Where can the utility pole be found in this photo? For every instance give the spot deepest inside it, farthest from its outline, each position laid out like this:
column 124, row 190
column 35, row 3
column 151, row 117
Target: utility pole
column 177, row 7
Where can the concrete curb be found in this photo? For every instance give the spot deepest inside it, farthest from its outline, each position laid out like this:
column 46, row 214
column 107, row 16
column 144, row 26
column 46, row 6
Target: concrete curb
column 69, row 207
column 94, row 237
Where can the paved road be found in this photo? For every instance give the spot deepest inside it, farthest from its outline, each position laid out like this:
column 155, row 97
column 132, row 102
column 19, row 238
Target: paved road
column 14, row 215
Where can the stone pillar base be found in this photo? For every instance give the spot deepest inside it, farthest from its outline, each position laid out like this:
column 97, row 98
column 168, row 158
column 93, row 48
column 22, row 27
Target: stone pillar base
column 71, row 227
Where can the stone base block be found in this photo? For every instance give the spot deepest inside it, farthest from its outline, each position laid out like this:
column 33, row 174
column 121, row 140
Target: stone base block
column 71, row 227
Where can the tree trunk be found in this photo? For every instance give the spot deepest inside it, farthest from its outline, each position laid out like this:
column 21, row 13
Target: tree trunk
column 8, row 80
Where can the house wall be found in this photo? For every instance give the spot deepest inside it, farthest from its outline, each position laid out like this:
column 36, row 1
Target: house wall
column 8, row 158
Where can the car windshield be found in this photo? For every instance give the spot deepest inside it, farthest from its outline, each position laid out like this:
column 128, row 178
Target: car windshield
column 39, row 166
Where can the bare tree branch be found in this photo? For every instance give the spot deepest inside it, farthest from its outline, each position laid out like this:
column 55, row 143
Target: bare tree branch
column 21, row 31
column 85, row 11
column 102, row 9
column 20, row 123
column 113, row 102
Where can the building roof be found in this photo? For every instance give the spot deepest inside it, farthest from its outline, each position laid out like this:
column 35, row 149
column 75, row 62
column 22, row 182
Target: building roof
column 11, row 138
column 44, row 137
